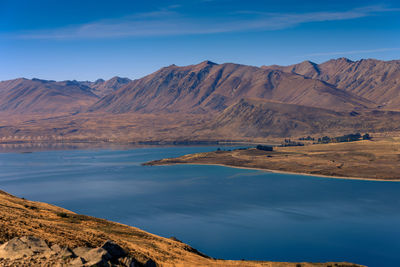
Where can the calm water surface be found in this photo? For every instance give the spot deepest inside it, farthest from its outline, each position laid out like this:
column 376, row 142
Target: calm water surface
column 224, row 212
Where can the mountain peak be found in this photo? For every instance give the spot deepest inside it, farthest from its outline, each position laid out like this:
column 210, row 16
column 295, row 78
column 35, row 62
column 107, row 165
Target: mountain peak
column 120, row 79
column 40, row 80
column 207, row 62
column 341, row 60
column 99, row 81
column 308, row 62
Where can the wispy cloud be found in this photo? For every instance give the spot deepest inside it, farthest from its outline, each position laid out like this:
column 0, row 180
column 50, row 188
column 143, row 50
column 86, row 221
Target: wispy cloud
column 353, row 52
column 169, row 21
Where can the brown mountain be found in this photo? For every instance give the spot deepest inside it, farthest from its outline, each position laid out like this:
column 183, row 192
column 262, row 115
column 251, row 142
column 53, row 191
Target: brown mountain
column 375, row 80
column 101, row 87
column 206, row 100
column 255, row 118
column 24, row 96
column 212, row 87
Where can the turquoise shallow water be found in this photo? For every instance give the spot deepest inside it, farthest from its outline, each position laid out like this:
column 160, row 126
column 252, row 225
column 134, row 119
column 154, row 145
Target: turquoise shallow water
column 224, row 212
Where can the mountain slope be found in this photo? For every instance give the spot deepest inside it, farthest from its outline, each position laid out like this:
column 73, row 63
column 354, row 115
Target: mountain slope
column 255, row 118
column 208, row 87
column 24, row 96
column 376, row 80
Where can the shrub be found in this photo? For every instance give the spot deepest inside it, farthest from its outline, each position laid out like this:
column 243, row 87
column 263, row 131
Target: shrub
column 265, row 148
column 366, row 137
column 62, row 215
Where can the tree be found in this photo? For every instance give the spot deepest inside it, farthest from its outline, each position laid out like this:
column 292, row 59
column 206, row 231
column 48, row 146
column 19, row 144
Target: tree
column 366, row 137
column 265, row 148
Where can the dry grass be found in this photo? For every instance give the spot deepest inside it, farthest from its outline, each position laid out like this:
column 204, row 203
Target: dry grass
column 363, row 159
column 167, row 128
column 123, row 128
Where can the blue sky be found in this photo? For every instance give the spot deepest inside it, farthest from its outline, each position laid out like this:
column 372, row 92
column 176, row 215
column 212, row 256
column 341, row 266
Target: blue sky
column 91, row 39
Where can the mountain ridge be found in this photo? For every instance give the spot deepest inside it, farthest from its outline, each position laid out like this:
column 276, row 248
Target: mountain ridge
column 205, row 102
column 41, row 96
column 211, row 86
column 376, row 80
column 102, row 87
column 33, row 96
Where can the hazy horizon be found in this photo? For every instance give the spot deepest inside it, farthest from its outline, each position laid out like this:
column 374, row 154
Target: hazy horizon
column 75, row 40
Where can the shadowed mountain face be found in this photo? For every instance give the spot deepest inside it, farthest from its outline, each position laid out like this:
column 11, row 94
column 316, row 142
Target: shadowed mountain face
column 259, row 118
column 375, row 80
column 23, row 96
column 212, row 87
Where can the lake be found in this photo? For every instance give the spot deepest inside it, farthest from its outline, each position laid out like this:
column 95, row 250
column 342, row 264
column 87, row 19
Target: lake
column 224, row 212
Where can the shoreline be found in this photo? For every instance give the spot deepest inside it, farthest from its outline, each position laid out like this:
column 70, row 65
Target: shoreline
column 285, row 172
column 135, row 142
column 139, row 245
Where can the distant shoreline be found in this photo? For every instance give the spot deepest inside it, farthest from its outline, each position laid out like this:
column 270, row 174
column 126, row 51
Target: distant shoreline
column 288, row 172
column 363, row 160
column 150, row 142
column 28, row 147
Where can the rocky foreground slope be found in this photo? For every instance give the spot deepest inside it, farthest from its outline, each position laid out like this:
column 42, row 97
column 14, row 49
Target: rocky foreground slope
column 39, row 234
column 33, row 251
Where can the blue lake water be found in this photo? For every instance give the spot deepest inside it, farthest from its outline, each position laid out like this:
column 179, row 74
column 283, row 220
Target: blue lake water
column 224, row 212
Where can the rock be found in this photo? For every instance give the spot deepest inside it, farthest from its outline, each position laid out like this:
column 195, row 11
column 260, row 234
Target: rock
column 66, row 253
column 25, row 246
column 56, row 248
column 128, row 262
column 150, row 263
column 32, row 251
column 114, row 250
column 98, row 257
column 77, row 262
column 94, row 256
column 80, row 251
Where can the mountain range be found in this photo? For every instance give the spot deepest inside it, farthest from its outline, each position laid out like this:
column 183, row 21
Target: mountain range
column 24, row 96
column 219, row 101
column 209, row 87
column 375, row 80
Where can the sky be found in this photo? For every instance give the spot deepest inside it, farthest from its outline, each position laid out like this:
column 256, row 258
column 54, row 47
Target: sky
column 91, row 39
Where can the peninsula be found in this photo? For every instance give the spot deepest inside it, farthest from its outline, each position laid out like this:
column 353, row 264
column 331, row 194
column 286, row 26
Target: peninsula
column 372, row 160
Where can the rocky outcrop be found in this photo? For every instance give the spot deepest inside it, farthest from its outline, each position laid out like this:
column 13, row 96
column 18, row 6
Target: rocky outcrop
column 33, row 251
column 25, row 246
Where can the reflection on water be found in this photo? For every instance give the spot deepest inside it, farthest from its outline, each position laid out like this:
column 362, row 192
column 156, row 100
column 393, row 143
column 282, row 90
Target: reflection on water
column 224, row 212
column 38, row 146
column 29, row 147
